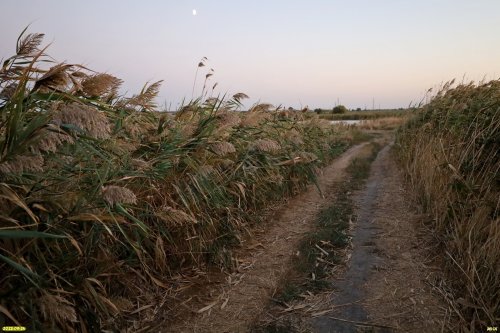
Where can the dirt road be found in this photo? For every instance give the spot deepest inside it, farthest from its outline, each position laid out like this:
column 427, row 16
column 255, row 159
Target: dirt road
column 387, row 285
column 384, row 285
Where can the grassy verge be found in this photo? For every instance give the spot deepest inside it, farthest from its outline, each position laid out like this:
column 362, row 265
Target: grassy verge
column 363, row 115
column 319, row 251
column 450, row 152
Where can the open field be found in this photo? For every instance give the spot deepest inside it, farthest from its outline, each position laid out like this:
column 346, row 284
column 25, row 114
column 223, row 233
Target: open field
column 361, row 115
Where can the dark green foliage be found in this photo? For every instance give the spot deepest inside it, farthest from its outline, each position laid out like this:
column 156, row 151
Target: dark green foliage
column 339, row 109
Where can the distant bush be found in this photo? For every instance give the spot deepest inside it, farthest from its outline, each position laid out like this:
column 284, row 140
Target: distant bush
column 339, row 109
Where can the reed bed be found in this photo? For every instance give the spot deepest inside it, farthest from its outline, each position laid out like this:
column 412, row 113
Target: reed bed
column 450, row 152
column 103, row 199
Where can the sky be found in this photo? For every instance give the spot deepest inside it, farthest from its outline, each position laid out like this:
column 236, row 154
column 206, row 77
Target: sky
column 316, row 53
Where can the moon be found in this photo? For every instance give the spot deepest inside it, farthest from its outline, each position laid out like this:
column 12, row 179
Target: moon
column 194, row 12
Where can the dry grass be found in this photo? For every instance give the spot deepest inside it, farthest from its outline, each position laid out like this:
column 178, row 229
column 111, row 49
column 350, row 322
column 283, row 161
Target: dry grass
column 387, row 123
column 103, row 200
column 450, row 153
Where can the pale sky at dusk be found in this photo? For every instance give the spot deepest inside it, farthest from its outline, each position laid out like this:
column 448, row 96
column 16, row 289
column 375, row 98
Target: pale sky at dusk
column 282, row 52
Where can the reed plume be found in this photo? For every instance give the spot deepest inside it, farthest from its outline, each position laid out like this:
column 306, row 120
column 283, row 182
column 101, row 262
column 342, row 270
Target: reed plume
column 86, row 118
column 101, row 85
column 29, row 44
column 266, row 145
column 116, row 194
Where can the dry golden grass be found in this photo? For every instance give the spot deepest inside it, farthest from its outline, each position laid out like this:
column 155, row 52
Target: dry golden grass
column 383, row 123
column 450, row 153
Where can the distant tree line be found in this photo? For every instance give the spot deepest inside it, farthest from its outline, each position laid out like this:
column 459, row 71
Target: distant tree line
column 337, row 109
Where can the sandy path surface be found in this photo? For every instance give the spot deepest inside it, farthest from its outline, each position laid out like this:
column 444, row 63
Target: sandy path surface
column 387, row 285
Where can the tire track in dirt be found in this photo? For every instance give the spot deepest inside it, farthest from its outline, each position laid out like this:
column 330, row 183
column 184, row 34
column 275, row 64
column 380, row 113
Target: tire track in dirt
column 267, row 258
column 386, row 284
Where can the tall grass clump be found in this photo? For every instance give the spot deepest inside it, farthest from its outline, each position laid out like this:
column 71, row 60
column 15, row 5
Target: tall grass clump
column 104, row 200
column 450, row 152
